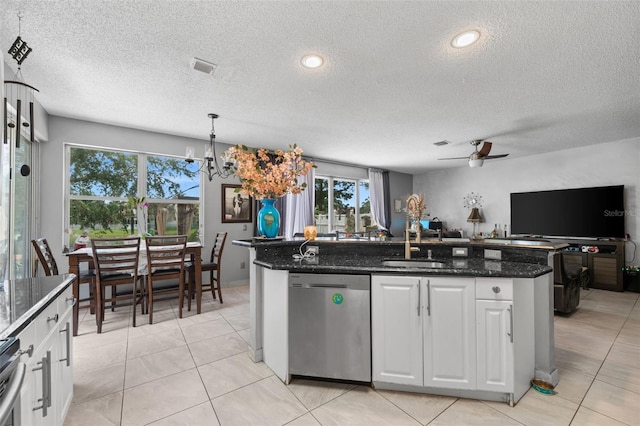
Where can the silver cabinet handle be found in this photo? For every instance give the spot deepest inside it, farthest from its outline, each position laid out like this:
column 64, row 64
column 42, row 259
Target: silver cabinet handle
column 510, row 334
column 496, row 289
column 428, row 298
column 12, row 392
column 53, row 318
column 45, row 367
column 67, row 331
column 419, row 296
column 49, row 380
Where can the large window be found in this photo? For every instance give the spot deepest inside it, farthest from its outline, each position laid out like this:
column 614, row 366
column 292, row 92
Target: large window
column 342, row 205
column 103, row 183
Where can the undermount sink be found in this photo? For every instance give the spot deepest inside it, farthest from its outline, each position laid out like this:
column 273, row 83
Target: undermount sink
column 432, row 264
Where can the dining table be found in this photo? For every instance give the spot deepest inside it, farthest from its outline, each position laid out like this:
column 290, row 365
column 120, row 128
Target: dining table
column 85, row 255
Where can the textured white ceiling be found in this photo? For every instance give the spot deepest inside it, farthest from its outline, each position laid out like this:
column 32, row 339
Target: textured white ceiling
column 544, row 76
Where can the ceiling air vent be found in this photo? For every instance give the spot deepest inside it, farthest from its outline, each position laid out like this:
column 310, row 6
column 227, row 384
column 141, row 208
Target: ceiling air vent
column 203, row 66
column 441, row 143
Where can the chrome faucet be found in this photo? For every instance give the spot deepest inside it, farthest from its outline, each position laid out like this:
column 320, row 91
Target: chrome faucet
column 407, row 241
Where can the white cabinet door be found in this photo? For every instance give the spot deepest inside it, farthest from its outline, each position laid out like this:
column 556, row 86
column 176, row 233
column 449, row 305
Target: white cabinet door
column 449, row 332
column 40, row 409
column 495, row 345
column 396, row 324
column 47, row 389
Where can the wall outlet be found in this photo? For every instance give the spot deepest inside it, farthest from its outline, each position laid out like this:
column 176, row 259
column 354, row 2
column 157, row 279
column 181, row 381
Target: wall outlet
column 313, row 249
column 244, row 227
column 242, row 265
column 492, row 254
column 460, row 252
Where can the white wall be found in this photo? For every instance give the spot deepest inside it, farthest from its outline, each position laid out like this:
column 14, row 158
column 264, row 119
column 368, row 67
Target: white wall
column 63, row 130
column 614, row 163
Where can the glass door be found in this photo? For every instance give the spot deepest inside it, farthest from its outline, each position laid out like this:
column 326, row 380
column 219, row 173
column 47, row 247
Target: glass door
column 16, row 198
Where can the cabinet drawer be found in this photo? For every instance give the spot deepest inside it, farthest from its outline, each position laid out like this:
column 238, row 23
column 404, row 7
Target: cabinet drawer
column 494, row 288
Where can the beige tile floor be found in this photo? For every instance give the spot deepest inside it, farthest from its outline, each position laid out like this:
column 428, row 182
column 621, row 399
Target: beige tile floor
column 196, row 371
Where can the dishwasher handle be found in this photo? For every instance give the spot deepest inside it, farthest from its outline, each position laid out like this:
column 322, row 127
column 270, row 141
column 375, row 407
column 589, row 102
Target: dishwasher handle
column 326, row 286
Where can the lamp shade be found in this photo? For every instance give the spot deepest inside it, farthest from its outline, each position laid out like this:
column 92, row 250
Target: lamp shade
column 474, row 216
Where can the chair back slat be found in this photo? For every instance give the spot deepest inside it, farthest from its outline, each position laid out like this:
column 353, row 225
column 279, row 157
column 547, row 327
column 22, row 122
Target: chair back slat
column 218, row 246
column 116, row 256
column 166, row 253
column 43, row 250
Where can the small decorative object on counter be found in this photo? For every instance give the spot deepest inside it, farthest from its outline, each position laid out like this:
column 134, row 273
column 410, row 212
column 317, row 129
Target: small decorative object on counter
column 310, row 233
column 415, row 206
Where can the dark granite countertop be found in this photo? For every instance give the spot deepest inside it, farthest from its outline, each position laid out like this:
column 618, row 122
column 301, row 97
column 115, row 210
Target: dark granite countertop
column 359, row 257
column 473, row 267
column 22, row 300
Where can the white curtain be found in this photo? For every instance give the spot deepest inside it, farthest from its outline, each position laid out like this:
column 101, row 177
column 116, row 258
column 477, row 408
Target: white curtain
column 299, row 207
column 378, row 191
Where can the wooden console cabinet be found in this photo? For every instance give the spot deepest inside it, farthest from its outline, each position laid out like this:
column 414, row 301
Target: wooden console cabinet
column 605, row 267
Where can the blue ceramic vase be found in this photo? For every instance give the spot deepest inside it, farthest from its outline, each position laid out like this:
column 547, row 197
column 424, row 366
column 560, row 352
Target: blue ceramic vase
column 268, row 219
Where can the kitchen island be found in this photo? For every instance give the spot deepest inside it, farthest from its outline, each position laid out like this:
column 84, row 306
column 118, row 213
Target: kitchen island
column 469, row 298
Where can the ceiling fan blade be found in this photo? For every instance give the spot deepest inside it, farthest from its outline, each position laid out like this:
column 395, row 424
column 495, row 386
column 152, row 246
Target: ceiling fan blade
column 486, row 148
column 454, row 158
column 491, row 157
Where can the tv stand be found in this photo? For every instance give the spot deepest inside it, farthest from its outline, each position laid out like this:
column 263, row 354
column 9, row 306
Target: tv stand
column 605, row 267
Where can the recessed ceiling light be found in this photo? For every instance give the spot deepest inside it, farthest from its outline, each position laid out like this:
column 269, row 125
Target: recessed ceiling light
column 312, row 61
column 465, row 39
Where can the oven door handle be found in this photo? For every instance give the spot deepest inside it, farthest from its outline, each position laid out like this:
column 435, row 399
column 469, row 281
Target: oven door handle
column 13, row 392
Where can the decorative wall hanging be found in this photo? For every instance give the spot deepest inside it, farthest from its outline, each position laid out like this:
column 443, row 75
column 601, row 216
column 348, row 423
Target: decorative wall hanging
column 19, row 96
column 236, row 206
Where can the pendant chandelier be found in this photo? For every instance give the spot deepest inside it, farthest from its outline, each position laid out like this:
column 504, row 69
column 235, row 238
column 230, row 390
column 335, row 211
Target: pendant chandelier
column 19, row 96
column 210, row 166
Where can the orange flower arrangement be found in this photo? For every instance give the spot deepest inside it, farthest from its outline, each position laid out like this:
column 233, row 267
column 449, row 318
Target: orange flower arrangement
column 265, row 174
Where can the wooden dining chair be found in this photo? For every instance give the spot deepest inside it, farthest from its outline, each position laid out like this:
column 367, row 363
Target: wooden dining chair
column 50, row 267
column 117, row 262
column 213, row 266
column 165, row 262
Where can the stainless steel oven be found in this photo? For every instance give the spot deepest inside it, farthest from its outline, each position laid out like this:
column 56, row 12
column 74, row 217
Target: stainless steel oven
column 12, row 373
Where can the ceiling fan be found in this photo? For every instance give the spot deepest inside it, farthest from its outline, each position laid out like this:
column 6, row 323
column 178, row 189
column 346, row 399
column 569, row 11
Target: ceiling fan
column 476, row 159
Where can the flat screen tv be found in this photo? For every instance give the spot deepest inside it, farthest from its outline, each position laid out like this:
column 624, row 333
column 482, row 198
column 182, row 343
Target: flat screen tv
column 580, row 213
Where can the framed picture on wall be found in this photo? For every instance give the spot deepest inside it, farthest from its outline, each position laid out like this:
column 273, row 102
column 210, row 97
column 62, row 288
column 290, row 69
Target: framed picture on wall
column 236, row 207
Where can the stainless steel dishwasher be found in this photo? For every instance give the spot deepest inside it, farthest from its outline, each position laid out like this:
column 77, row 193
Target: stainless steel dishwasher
column 330, row 326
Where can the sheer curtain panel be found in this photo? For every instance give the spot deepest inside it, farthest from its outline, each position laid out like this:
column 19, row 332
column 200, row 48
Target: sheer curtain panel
column 299, row 207
column 380, row 197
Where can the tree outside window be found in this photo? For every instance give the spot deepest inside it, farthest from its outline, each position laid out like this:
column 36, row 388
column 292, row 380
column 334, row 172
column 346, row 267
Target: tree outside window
column 342, row 205
column 102, row 182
